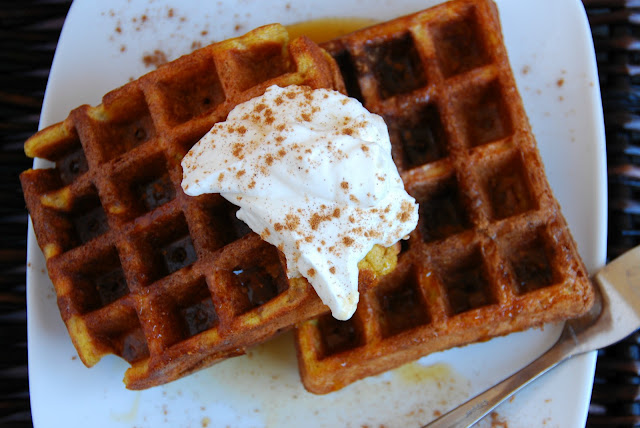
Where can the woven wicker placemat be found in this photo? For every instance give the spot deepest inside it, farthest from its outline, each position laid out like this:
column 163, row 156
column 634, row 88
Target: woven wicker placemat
column 615, row 25
column 29, row 31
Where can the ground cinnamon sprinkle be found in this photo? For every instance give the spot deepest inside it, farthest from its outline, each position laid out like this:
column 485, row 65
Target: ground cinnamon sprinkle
column 156, row 59
column 332, row 270
column 316, row 219
column 405, row 214
column 344, row 185
column 347, row 241
column 237, row 151
column 292, row 222
column 311, row 273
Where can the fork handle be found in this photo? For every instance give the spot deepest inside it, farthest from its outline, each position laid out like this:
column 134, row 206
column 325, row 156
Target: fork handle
column 473, row 410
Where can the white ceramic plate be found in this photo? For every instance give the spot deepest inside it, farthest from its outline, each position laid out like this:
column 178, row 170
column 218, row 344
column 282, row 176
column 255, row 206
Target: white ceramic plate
column 103, row 45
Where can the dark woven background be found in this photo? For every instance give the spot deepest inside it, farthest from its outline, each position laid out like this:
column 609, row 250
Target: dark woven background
column 29, row 32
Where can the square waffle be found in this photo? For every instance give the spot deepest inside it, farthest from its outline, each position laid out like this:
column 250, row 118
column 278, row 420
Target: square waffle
column 169, row 283
column 492, row 253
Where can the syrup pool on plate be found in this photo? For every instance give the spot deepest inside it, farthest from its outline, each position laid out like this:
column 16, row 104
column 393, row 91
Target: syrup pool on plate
column 325, row 29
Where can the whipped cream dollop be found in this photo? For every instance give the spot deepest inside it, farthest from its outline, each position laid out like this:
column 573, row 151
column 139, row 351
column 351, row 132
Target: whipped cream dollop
column 312, row 173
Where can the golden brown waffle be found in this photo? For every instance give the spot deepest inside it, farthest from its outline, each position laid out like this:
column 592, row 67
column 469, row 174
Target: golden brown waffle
column 168, row 282
column 492, row 253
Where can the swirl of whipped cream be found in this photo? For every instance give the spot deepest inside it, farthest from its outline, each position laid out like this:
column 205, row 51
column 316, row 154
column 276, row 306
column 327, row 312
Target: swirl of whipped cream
column 312, row 173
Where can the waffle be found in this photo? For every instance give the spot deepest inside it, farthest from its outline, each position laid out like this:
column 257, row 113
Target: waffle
column 492, row 253
column 168, row 282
